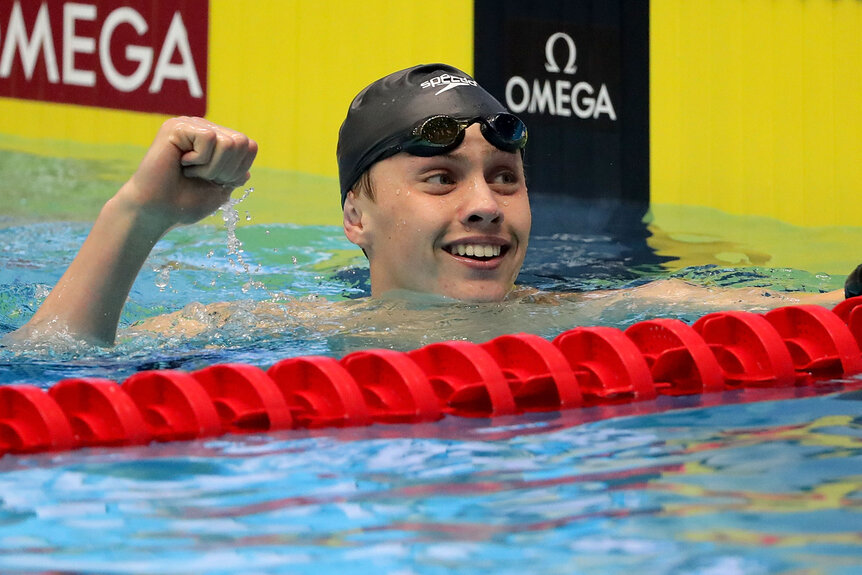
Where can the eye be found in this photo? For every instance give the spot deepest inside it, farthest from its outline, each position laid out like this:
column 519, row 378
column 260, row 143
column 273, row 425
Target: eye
column 440, row 179
column 506, row 180
column 506, row 177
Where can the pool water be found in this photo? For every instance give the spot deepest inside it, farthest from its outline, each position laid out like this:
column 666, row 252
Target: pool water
column 321, row 280
column 766, row 487
column 740, row 483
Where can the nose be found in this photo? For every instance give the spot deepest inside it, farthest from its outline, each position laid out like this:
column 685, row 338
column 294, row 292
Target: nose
column 482, row 206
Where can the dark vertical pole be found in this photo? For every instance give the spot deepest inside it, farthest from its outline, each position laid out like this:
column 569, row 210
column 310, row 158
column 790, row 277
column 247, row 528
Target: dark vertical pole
column 577, row 72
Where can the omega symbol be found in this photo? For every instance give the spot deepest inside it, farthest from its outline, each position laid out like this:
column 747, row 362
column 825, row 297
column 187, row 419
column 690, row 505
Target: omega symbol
column 551, row 61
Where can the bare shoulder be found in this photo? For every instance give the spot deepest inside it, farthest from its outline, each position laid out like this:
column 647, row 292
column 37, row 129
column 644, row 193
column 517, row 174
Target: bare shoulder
column 683, row 292
column 673, row 292
column 197, row 319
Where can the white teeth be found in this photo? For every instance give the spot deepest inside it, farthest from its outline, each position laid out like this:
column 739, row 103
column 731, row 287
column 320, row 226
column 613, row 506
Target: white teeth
column 476, row 250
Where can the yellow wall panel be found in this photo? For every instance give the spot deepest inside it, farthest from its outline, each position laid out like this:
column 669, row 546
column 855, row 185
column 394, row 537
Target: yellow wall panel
column 755, row 107
column 755, row 104
column 287, row 70
column 284, row 72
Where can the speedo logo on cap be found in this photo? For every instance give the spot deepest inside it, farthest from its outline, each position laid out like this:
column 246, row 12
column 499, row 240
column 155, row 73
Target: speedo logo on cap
column 448, row 81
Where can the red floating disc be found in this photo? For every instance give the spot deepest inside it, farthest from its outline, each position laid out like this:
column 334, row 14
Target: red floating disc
column 396, row 390
column 850, row 312
column 31, row 420
column 819, row 342
column 101, row 412
column 680, row 360
column 466, row 378
column 245, row 397
column 174, row 404
column 748, row 348
column 609, row 366
column 538, row 374
column 320, row 392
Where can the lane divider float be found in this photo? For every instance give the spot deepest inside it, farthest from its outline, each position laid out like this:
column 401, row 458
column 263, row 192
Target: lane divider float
column 511, row 374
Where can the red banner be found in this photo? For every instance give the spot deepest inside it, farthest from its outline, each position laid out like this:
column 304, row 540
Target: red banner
column 142, row 55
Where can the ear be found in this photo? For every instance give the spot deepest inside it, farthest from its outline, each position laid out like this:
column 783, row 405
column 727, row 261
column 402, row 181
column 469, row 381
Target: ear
column 355, row 227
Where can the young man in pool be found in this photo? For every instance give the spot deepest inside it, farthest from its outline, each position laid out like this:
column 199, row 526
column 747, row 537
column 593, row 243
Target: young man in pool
column 432, row 187
column 452, row 215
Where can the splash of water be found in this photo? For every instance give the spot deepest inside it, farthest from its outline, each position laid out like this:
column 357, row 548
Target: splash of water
column 230, row 216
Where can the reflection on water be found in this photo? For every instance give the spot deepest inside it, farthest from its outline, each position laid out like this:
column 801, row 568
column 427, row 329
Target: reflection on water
column 768, row 487
column 314, row 281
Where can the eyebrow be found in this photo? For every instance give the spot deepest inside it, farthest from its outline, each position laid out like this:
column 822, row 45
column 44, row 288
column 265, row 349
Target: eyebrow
column 460, row 158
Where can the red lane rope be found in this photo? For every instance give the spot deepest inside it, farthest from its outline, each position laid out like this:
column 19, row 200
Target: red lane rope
column 511, row 374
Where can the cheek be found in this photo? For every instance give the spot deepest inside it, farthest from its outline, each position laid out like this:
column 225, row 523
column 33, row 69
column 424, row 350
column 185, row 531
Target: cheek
column 519, row 214
column 528, row 222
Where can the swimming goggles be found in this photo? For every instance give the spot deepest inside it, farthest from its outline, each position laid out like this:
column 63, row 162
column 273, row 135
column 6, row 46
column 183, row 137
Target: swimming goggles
column 440, row 134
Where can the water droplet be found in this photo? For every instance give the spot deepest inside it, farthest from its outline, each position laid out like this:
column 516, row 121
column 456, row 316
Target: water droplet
column 293, row 259
column 210, row 253
column 163, row 277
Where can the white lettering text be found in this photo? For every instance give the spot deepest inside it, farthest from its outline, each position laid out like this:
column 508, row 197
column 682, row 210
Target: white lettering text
column 174, row 61
column 73, row 44
column 29, row 48
column 559, row 98
column 143, row 55
column 177, row 39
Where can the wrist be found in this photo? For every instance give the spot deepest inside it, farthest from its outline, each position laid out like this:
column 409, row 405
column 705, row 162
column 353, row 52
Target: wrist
column 125, row 208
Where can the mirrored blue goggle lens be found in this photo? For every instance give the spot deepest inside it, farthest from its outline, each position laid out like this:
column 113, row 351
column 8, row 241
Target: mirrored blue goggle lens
column 510, row 129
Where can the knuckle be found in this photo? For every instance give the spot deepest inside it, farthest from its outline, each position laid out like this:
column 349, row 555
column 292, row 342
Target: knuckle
column 241, row 140
column 177, row 123
column 225, row 141
column 206, row 136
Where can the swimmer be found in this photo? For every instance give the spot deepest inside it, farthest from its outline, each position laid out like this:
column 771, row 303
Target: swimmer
column 432, row 189
column 190, row 170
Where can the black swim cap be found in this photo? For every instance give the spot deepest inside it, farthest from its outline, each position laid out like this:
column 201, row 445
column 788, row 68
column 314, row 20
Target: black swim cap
column 853, row 285
column 388, row 110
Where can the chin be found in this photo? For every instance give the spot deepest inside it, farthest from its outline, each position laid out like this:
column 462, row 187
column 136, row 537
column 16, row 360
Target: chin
column 481, row 294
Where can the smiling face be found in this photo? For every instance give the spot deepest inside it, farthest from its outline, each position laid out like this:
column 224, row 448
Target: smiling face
column 456, row 225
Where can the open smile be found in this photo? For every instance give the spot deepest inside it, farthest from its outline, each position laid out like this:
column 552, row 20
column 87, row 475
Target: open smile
column 477, row 251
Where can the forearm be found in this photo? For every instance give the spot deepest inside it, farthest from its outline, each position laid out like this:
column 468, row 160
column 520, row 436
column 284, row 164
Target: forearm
column 187, row 173
column 674, row 291
column 89, row 297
